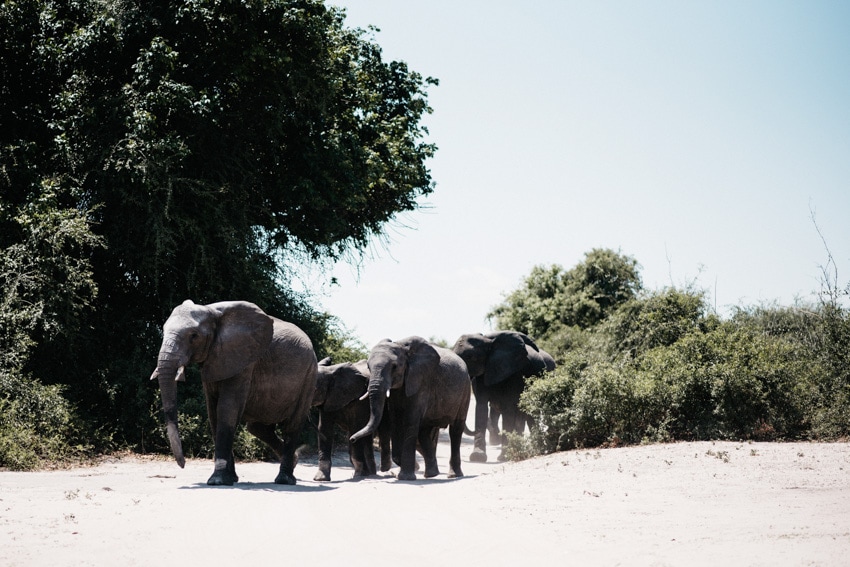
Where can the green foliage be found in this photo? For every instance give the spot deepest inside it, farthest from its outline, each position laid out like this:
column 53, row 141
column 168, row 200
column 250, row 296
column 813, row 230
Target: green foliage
column 37, row 425
column 831, row 399
column 656, row 319
column 338, row 342
column 158, row 151
column 730, row 382
column 551, row 299
column 46, row 277
column 661, row 366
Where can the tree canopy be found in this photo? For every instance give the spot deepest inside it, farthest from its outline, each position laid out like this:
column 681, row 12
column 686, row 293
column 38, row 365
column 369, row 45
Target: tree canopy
column 156, row 151
column 551, row 298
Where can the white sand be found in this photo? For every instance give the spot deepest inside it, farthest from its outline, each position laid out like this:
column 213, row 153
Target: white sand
column 679, row 504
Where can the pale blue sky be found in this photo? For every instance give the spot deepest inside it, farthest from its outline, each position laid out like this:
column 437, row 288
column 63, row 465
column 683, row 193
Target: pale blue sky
column 697, row 137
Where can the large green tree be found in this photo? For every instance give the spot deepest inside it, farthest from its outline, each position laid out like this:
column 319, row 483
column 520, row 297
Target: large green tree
column 199, row 148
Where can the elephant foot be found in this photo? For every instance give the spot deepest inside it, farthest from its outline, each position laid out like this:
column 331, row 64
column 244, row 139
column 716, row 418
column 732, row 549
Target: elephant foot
column 502, row 456
column 286, row 478
column 478, row 456
column 431, row 473
column 223, row 478
column 322, row 476
column 364, row 472
column 454, row 470
column 406, row 475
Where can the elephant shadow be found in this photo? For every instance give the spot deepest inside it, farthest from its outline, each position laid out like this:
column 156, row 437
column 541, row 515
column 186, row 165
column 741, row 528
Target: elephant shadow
column 262, row 487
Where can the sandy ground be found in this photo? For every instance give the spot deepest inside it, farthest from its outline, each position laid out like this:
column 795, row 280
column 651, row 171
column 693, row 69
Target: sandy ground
column 678, row 504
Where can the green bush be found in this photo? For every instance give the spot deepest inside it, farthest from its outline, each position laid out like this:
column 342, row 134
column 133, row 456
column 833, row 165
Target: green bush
column 37, row 425
column 831, row 389
column 706, row 379
column 585, row 405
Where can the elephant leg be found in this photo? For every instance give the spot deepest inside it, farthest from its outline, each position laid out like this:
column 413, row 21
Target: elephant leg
column 493, row 425
column 513, row 423
column 397, row 434
column 360, row 452
column 428, row 446
column 284, row 449
column 370, row 466
column 479, row 444
column 386, row 451
column 287, row 462
column 407, row 437
column 225, row 401
column 267, row 435
column 326, row 430
column 455, row 436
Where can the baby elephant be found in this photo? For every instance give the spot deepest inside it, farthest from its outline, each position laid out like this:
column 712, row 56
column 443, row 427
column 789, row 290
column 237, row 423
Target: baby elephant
column 339, row 388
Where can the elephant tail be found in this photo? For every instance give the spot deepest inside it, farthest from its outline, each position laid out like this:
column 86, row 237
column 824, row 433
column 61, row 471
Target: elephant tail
column 467, row 430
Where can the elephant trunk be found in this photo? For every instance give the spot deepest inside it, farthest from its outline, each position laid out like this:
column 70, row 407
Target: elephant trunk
column 378, row 392
column 168, row 392
column 168, row 371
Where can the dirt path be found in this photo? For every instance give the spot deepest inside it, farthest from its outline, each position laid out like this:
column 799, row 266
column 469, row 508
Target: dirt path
column 680, row 504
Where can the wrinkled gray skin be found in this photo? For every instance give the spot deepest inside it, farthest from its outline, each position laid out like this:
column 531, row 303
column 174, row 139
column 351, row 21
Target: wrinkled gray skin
column 497, row 437
column 498, row 364
column 339, row 389
column 255, row 369
column 428, row 389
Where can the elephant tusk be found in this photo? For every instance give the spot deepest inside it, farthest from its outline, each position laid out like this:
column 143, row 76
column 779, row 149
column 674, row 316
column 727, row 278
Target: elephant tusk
column 366, row 395
column 181, row 374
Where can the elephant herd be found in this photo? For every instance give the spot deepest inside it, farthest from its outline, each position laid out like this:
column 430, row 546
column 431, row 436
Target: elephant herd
column 262, row 371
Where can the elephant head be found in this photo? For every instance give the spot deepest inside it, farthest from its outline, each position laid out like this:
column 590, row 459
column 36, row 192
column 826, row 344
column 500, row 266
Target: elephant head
column 337, row 385
column 392, row 366
column 496, row 356
column 224, row 338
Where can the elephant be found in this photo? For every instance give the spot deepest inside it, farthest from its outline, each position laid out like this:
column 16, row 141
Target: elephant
column 496, row 435
column 498, row 364
column 426, row 388
column 255, row 369
column 340, row 397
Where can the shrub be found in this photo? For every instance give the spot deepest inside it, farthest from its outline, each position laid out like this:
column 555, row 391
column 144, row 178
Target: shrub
column 831, row 387
column 728, row 382
column 37, row 425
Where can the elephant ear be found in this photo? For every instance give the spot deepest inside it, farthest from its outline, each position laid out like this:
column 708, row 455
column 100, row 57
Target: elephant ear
column 423, row 361
column 548, row 361
column 508, row 356
column 529, row 342
column 537, row 364
column 347, row 386
column 243, row 334
column 324, row 378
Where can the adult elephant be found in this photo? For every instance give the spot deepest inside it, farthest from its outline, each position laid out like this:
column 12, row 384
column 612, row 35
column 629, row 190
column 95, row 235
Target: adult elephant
column 426, row 388
column 496, row 434
column 255, row 369
column 340, row 398
column 498, row 364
